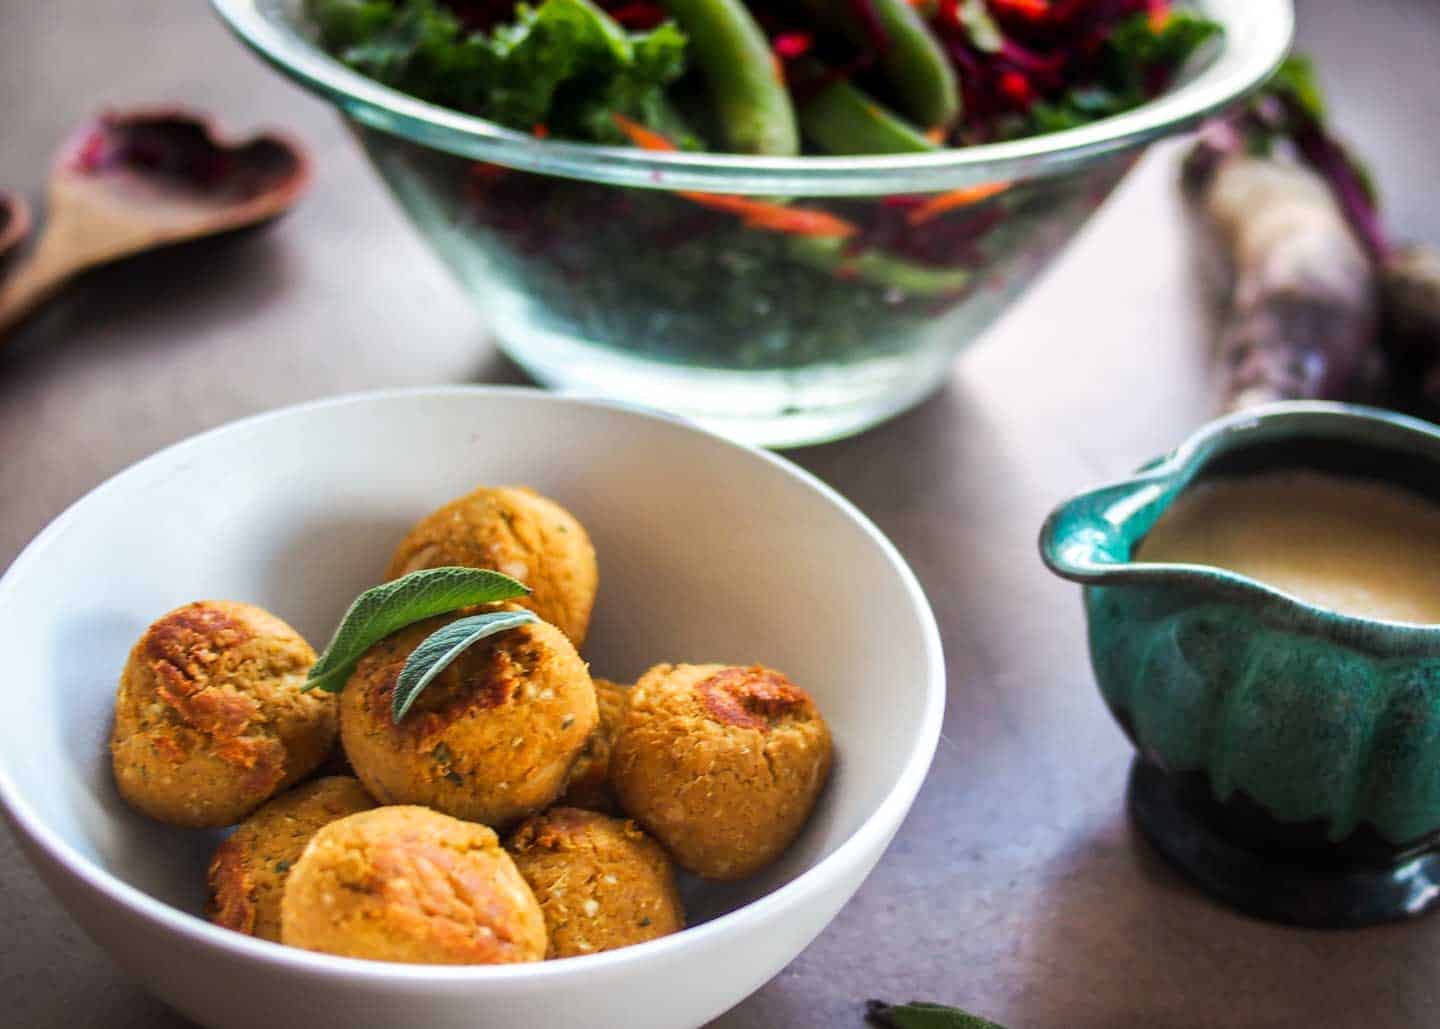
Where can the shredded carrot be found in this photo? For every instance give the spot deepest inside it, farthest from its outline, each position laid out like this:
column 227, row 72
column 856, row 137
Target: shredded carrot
column 645, row 139
column 757, row 214
column 763, row 214
column 540, row 131
column 938, row 205
column 795, row 221
column 936, row 135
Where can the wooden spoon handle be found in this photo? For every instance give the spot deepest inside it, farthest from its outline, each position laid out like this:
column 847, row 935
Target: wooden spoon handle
column 35, row 281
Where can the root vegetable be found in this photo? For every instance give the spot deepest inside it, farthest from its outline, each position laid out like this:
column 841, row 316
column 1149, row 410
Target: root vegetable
column 1304, row 302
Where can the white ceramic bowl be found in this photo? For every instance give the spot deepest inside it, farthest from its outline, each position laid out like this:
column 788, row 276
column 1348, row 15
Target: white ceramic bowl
column 708, row 551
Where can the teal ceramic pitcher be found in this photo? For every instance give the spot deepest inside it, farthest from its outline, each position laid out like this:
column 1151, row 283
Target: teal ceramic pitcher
column 1288, row 756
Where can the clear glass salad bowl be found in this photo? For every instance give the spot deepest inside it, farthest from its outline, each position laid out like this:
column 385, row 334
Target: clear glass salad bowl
column 643, row 275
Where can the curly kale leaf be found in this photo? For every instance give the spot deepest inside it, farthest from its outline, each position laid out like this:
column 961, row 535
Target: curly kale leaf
column 1139, row 59
column 657, row 56
column 564, row 64
column 1143, row 54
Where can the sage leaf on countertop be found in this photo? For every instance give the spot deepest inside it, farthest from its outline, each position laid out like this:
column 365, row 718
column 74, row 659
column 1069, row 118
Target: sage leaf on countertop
column 443, row 646
column 922, row 1015
column 391, row 606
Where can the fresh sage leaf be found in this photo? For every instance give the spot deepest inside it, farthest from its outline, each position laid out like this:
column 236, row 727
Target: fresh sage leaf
column 443, row 646
column 922, row 1015
column 391, row 606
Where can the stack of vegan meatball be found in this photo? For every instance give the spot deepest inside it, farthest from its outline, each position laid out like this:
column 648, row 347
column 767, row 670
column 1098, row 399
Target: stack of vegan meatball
column 717, row 767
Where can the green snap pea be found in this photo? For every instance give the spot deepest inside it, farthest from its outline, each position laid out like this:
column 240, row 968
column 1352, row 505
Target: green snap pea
column 913, row 62
column 878, row 269
column 742, row 78
column 841, row 119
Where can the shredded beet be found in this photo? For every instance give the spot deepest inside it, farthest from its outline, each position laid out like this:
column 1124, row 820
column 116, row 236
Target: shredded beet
column 481, row 15
column 874, row 27
column 1047, row 66
column 947, row 13
column 636, row 16
column 1046, row 51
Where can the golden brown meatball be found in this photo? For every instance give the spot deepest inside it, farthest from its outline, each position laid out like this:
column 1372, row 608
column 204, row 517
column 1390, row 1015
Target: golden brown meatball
column 589, row 785
column 492, row 739
column 248, row 872
column 601, row 882
column 209, row 719
column 407, row 884
column 722, row 764
column 514, row 530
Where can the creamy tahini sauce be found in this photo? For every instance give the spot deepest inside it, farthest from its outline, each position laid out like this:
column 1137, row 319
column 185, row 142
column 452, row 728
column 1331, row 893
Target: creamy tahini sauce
column 1357, row 547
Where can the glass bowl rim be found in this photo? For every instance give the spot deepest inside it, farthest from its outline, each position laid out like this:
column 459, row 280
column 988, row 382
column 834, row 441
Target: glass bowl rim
column 1257, row 36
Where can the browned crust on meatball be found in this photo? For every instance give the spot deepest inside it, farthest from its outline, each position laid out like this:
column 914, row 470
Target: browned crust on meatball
column 495, row 670
column 181, row 650
column 209, row 718
column 233, row 894
column 752, row 698
column 410, row 884
column 492, row 739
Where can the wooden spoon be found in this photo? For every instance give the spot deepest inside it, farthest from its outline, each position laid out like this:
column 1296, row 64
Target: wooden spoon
column 14, row 222
column 131, row 182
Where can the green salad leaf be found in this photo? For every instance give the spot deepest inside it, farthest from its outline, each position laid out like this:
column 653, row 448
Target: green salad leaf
column 923, row 1015
column 1297, row 78
column 1079, row 106
column 1137, row 50
column 1138, row 46
column 636, row 89
column 389, row 607
column 346, row 23
column 565, row 65
column 442, row 647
